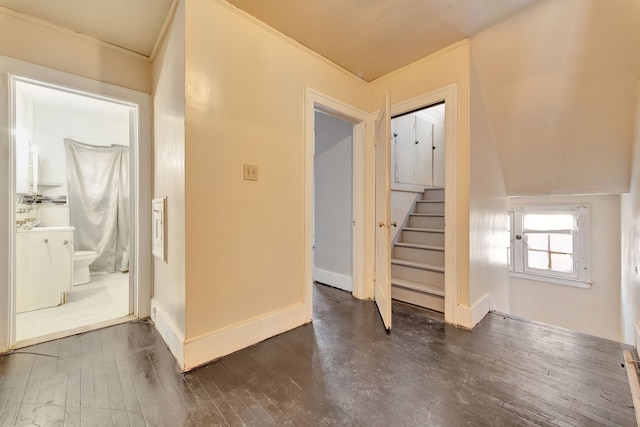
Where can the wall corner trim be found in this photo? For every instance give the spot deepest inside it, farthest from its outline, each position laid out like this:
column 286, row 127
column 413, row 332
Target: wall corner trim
column 468, row 317
column 208, row 347
column 168, row 331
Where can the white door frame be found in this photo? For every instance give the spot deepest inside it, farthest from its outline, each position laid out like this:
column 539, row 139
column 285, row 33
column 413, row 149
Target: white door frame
column 141, row 180
column 317, row 101
column 448, row 94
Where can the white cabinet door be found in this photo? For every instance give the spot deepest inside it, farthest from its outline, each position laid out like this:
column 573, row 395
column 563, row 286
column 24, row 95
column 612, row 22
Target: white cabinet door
column 403, row 149
column 44, row 265
column 438, row 156
column 423, row 151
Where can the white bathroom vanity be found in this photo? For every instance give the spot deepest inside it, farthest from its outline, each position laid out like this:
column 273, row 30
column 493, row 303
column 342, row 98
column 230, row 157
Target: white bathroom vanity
column 44, row 267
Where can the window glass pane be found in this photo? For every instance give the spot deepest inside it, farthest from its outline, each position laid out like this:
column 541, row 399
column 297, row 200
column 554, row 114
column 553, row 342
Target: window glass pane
column 561, row 243
column 538, row 241
column 537, row 259
column 549, row 221
column 562, row 262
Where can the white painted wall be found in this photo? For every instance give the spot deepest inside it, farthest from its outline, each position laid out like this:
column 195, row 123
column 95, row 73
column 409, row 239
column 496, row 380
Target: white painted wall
column 51, row 125
column 560, row 88
column 630, row 289
column 595, row 311
column 333, row 231
column 169, row 180
column 488, row 206
column 402, row 203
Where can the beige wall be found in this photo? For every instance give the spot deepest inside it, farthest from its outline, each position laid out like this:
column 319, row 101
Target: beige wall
column 595, row 311
column 37, row 44
column 444, row 68
column 630, row 292
column 488, row 206
column 559, row 81
column 169, row 173
column 245, row 104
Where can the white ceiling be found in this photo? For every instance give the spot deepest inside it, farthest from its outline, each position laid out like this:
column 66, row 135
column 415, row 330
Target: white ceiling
column 367, row 37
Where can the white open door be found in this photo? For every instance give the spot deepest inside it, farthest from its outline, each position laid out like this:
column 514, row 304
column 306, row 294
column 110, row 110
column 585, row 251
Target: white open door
column 383, row 212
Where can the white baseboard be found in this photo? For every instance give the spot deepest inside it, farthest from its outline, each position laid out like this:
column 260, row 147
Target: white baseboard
column 337, row 280
column 468, row 317
column 168, row 331
column 212, row 346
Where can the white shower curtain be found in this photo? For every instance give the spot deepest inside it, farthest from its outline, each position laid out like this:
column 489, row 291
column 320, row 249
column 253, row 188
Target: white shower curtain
column 98, row 197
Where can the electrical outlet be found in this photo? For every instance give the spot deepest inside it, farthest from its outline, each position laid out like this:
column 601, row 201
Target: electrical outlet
column 251, row 172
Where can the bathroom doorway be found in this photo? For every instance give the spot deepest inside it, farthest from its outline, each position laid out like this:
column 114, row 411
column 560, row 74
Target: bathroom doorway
column 74, row 235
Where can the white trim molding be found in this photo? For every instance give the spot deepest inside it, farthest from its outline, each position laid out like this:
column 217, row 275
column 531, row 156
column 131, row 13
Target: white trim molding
column 12, row 70
column 316, row 101
column 169, row 332
column 453, row 195
column 209, row 347
column 469, row 317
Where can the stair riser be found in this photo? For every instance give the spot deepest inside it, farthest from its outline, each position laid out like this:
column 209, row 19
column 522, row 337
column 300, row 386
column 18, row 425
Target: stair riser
column 417, row 275
column 433, row 222
column 433, row 195
column 430, row 208
column 425, row 256
column 423, row 238
column 417, row 298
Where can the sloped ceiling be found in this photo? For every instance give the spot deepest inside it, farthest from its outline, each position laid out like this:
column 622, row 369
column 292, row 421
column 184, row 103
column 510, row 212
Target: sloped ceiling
column 134, row 25
column 370, row 38
column 560, row 86
column 367, row 37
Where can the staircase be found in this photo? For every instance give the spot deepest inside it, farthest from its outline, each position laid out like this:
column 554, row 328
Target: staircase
column 417, row 264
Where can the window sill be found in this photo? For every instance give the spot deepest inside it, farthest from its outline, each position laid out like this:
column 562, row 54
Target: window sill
column 549, row 279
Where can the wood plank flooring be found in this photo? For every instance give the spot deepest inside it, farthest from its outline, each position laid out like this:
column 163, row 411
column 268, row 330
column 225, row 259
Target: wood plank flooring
column 341, row 370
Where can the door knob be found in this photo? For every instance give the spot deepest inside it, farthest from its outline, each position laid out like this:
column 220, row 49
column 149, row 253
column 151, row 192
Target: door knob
column 66, row 242
column 395, row 224
column 381, row 224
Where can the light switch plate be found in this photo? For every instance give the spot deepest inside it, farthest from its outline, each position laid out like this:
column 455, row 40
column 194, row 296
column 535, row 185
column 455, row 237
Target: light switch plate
column 250, row 172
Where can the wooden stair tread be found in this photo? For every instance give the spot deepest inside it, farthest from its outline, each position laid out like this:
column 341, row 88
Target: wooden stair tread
column 419, row 287
column 426, row 214
column 420, row 265
column 419, row 246
column 424, row 230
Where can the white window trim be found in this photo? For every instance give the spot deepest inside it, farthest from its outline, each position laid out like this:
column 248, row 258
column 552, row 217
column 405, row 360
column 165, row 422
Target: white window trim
column 582, row 259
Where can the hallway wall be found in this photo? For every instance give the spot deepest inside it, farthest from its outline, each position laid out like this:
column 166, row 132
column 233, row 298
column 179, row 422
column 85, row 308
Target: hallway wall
column 333, row 202
column 245, row 240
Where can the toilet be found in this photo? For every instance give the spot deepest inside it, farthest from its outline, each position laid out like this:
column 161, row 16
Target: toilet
column 81, row 262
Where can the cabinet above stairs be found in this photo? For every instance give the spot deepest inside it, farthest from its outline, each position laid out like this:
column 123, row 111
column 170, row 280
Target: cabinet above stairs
column 417, row 264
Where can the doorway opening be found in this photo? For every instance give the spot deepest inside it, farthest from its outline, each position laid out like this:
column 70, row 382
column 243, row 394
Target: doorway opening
column 333, row 202
column 75, row 228
column 334, row 162
column 418, row 207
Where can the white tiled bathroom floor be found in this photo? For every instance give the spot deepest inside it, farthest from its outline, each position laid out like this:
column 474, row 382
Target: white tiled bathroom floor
column 105, row 298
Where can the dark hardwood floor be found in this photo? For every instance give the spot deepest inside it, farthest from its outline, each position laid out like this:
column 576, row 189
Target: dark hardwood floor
column 341, row 370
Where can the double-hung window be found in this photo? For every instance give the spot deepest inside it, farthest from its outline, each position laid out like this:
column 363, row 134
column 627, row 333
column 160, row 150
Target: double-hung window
column 550, row 243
